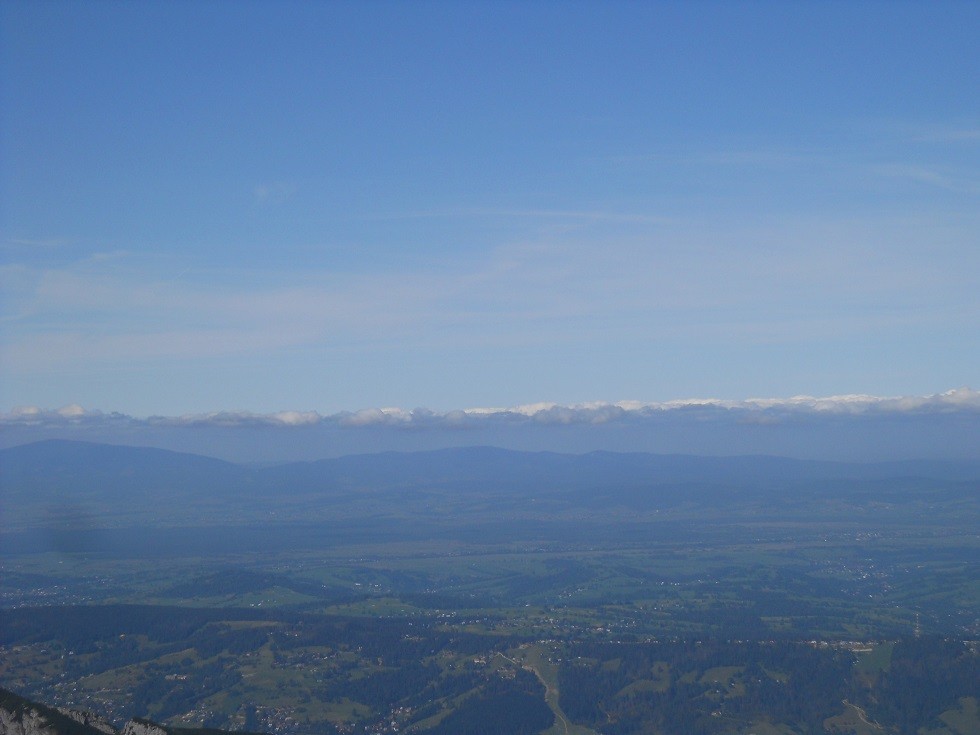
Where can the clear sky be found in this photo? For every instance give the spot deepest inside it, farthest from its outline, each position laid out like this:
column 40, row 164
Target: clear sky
column 325, row 206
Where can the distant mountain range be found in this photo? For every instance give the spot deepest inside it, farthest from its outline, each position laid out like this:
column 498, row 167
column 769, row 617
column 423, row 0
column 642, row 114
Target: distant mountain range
column 76, row 487
column 89, row 466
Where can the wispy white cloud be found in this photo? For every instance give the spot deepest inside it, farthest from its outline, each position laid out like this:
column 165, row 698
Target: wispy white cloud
column 273, row 192
column 943, row 134
column 930, row 176
column 36, row 243
column 588, row 215
column 690, row 280
column 769, row 158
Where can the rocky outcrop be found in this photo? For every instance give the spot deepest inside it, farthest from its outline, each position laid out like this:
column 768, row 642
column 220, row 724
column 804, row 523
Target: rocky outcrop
column 84, row 717
column 137, row 726
column 28, row 722
column 19, row 716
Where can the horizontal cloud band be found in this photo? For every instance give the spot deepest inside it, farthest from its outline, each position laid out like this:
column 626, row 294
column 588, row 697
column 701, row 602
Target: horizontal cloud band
column 964, row 400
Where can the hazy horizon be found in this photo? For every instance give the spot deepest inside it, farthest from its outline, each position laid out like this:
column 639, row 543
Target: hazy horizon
column 856, row 427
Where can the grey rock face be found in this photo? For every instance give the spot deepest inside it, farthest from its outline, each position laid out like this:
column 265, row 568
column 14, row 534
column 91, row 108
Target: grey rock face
column 25, row 722
column 84, row 717
column 142, row 727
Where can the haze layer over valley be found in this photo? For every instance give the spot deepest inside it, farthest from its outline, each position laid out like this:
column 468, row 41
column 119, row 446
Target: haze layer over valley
column 432, row 591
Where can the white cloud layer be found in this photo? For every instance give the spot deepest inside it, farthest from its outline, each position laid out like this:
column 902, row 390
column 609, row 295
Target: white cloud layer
column 960, row 400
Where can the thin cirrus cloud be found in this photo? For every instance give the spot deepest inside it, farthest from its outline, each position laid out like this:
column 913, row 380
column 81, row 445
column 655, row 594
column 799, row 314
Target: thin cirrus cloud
column 661, row 285
column 273, row 193
column 112, row 316
column 932, row 177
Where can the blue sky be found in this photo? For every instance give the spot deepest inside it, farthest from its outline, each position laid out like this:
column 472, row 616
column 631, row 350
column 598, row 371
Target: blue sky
column 334, row 206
